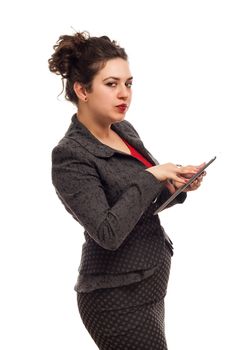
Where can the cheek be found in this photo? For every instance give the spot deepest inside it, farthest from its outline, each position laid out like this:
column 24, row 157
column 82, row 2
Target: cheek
column 101, row 104
column 105, row 98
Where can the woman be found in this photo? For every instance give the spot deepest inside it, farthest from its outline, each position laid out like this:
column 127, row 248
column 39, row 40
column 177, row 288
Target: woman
column 111, row 184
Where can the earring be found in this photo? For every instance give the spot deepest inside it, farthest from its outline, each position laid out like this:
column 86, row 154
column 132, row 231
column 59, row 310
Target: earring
column 85, row 99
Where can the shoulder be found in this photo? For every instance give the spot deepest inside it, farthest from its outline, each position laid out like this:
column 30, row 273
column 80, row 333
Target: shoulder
column 68, row 149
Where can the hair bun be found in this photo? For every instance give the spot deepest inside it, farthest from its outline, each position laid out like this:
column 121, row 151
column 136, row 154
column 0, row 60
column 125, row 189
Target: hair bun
column 81, row 37
column 68, row 49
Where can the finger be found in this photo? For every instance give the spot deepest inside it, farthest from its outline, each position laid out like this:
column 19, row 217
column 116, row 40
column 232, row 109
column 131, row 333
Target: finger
column 179, row 179
column 192, row 188
column 195, row 185
column 194, row 166
column 197, row 167
column 187, row 170
column 201, row 165
column 200, row 178
column 193, row 170
column 188, row 175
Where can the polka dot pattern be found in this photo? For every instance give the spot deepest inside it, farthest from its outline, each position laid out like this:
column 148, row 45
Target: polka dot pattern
column 128, row 317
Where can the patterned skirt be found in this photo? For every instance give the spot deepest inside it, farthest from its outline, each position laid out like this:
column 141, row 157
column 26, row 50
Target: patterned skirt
column 130, row 316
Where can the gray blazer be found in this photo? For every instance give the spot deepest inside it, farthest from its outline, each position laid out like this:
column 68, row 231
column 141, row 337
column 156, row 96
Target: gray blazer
column 113, row 198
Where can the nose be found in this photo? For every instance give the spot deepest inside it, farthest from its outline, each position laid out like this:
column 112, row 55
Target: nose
column 124, row 92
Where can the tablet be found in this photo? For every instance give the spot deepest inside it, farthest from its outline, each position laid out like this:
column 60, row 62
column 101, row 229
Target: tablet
column 182, row 188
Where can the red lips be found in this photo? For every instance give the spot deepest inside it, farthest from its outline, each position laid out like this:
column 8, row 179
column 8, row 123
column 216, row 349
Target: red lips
column 122, row 107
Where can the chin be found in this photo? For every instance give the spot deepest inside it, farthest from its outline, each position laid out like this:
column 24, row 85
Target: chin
column 118, row 120
column 118, row 117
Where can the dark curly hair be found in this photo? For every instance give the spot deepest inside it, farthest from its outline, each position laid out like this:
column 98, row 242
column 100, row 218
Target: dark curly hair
column 79, row 57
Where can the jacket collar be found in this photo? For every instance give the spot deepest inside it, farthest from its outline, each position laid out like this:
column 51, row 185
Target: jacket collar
column 81, row 134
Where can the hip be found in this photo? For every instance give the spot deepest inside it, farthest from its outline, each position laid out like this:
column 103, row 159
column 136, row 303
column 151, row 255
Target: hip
column 150, row 289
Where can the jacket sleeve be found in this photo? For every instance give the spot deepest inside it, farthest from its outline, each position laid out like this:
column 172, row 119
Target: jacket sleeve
column 165, row 194
column 79, row 187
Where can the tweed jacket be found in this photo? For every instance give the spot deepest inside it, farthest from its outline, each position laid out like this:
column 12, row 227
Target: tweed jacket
column 109, row 193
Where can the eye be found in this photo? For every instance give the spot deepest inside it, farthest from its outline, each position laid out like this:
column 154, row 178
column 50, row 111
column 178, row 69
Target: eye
column 110, row 84
column 113, row 84
column 131, row 83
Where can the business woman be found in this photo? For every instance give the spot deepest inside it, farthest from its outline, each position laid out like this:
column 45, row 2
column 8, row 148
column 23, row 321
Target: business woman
column 111, row 185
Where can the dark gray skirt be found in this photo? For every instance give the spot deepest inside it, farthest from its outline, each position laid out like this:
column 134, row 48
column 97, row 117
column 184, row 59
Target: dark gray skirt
column 128, row 317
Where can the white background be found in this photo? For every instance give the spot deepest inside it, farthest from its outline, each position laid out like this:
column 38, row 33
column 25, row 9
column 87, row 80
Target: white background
column 180, row 54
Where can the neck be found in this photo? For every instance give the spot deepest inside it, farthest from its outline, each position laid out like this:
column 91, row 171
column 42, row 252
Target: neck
column 99, row 130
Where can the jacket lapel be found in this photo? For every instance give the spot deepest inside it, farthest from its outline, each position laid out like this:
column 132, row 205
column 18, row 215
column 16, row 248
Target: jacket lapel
column 79, row 133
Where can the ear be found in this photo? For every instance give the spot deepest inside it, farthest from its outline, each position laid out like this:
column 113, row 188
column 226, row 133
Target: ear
column 80, row 91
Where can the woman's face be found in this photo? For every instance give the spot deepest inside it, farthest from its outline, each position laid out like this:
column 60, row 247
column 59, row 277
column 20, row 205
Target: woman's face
column 111, row 87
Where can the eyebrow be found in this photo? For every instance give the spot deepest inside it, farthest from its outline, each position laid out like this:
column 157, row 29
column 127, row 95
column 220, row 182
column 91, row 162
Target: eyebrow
column 116, row 78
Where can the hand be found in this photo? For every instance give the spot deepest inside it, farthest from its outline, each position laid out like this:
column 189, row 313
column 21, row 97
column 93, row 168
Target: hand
column 194, row 186
column 170, row 171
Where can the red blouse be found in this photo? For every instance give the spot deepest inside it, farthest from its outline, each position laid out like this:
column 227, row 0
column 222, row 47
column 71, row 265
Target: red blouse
column 137, row 155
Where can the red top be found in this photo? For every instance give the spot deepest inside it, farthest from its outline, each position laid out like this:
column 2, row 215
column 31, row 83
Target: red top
column 137, row 155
